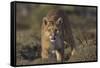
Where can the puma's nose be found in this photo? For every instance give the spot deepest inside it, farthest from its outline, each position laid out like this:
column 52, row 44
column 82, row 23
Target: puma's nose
column 52, row 37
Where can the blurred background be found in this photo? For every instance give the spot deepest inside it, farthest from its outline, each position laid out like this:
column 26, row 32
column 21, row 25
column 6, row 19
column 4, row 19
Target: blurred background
column 28, row 30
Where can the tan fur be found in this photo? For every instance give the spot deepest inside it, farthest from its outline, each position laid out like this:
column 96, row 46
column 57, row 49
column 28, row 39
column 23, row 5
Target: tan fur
column 49, row 25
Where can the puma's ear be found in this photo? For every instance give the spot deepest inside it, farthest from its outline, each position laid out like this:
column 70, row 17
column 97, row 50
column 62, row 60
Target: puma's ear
column 59, row 21
column 45, row 21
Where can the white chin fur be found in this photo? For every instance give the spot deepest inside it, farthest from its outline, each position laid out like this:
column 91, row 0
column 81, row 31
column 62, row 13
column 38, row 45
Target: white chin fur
column 52, row 40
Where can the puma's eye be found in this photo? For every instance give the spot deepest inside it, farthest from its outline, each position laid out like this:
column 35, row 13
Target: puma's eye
column 49, row 30
column 52, row 23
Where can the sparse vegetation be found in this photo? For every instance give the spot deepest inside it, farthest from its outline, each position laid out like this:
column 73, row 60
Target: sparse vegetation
column 28, row 33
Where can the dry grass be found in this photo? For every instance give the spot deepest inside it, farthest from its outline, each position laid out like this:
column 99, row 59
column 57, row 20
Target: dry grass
column 29, row 52
column 28, row 41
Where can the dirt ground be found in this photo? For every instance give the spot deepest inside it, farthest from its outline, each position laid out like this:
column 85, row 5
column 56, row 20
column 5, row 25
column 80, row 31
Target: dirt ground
column 83, row 52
